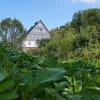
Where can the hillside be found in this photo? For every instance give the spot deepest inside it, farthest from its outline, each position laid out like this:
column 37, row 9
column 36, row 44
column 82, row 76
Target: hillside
column 65, row 67
column 78, row 38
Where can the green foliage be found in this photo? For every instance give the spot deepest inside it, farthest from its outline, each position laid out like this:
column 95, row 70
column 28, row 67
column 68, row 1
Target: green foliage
column 76, row 38
column 68, row 68
column 48, row 75
column 86, row 18
column 77, row 21
column 7, row 90
column 30, row 77
column 11, row 31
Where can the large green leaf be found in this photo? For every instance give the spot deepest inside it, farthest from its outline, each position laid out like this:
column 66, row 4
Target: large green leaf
column 8, row 96
column 6, row 84
column 7, row 90
column 53, row 95
column 2, row 76
column 74, row 97
column 47, row 75
column 90, row 96
column 60, row 85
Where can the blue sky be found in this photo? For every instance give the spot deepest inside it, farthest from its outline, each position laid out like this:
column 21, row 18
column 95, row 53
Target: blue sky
column 52, row 12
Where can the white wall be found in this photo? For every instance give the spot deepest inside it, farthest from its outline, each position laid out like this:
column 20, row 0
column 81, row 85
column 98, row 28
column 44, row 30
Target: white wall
column 0, row 38
column 30, row 44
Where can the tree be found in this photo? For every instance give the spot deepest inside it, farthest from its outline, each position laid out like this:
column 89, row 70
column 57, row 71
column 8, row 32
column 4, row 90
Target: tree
column 90, row 17
column 77, row 21
column 12, row 29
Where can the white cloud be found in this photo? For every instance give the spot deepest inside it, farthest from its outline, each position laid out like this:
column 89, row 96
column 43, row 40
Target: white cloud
column 85, row 1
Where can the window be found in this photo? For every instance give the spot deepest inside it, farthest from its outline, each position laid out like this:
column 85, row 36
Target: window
column 29, row 43
column 40, row 29
column 39, row 24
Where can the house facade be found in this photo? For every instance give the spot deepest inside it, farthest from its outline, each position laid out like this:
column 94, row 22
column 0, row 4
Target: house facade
column 37, row 32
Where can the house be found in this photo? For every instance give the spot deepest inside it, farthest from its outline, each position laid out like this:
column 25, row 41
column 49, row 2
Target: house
column 0, row 36
column 36, row 33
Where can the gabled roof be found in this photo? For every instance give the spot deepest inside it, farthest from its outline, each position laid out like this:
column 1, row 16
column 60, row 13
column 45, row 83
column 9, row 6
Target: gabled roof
column 33, row 35
column 35, row 25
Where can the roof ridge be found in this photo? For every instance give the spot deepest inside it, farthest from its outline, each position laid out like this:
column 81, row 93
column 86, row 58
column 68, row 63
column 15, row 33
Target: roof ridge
column 36, row 24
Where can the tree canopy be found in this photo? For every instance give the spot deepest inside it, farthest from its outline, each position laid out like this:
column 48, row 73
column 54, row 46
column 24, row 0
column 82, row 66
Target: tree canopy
column 89, row 17
column 11, row 30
